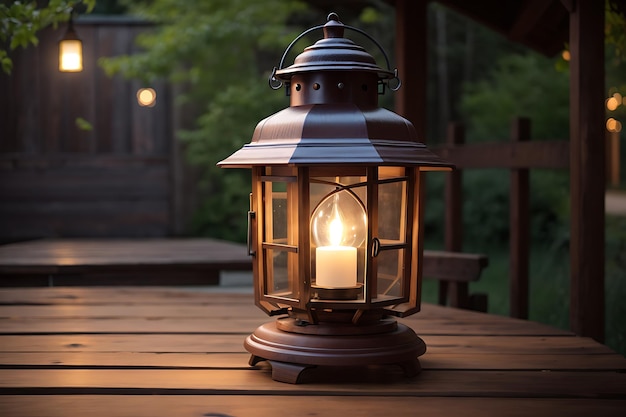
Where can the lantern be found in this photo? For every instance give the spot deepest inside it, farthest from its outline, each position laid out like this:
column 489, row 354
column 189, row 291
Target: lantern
column 334, row 223
column 70, row 50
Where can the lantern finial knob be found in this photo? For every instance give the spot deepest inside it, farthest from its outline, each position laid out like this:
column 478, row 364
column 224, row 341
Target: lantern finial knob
column 334, row 27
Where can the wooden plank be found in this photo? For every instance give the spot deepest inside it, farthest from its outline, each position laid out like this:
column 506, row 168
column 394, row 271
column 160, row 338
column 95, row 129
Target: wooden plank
column 52, row 92
column 587, row 173
column 519, row 225
column 115, row 296
column 550, row 154
column 150, row 325
column 73, row 139
column 168, row 301
column 131, row 360
column 196, row 343
column 78, row 196
column 91, row 252
column 345, row 381
column 124, row 311
column 120, row 117
column 454, row 267
column 431, row 360
column 119, row 261
column 224, row 323
column 322, row 406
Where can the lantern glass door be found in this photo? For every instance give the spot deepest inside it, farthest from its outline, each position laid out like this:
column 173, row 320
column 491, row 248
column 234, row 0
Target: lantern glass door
column 280, row 237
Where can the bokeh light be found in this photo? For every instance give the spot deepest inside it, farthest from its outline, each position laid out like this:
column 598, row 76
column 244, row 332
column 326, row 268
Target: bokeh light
column 146, row 97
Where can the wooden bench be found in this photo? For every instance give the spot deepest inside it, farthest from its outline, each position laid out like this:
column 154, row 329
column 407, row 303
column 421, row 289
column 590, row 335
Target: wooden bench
column 454, row 271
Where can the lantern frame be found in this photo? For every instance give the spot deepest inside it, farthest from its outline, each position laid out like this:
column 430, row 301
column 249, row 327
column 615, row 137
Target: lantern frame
column 300, row 299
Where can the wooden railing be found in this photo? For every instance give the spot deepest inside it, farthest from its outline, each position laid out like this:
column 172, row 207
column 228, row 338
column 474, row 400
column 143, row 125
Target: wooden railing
column 518, row 156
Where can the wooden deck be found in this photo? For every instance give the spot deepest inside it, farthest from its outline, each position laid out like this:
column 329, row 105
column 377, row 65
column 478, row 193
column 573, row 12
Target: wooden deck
column 155, row 351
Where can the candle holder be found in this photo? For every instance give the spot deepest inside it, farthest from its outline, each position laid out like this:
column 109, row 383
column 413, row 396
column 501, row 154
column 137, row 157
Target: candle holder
column 334, row 226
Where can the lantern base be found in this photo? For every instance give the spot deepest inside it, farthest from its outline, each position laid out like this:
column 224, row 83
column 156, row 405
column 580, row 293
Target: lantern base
column 290, row 353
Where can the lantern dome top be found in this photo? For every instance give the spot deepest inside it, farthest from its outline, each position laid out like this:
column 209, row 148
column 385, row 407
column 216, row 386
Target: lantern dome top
column 333, row 52
column 333, row 117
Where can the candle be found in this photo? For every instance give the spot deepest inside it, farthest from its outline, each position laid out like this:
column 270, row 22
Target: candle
column 336, row 266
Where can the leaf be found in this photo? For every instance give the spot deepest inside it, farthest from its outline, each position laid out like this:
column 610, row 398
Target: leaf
column 83, row 124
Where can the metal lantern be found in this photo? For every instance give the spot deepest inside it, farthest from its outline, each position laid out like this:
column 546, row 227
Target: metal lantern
column 334, row 221
column 70, row 49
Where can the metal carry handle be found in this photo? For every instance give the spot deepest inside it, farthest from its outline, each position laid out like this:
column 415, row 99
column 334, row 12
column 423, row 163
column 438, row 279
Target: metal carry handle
column 276, row 84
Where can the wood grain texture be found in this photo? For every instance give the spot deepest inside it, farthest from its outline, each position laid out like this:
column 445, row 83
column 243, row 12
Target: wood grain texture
column 179, row 351
column 318, row 405
column 59, row 180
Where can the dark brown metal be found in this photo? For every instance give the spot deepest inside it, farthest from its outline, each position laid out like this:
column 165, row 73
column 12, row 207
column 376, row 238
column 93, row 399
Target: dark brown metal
column 334, row 116
column 292, row 353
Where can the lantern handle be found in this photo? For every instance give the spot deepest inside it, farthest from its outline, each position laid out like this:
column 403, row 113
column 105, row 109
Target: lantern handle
column 275, row 84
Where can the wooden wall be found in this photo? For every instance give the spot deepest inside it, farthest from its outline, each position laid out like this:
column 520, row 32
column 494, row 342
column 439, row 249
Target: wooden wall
column 59, row 180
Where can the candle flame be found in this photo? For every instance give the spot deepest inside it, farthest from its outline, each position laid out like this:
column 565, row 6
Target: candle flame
column 336, row 232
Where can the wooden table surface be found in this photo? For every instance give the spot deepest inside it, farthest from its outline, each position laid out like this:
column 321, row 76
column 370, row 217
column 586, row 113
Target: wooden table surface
column 115, row 261
column 156, row 351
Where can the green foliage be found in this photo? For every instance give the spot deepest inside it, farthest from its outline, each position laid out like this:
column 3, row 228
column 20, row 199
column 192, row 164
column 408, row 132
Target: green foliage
column 614, row 32
column 224, row 127
column 220, row 53
column 20, row 21
column 83, row 124
column 615, row 283
column 520, row 85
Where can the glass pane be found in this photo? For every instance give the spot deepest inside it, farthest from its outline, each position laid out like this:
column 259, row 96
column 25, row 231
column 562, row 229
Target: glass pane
column 392, row 212
column 280, row 238
column 338, row 232
column 392, row 228
column 390, row 273
column 276, row 213
column 278, row 280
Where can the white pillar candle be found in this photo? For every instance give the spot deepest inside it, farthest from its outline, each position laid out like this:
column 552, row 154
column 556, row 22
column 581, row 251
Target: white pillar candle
column 335, row 266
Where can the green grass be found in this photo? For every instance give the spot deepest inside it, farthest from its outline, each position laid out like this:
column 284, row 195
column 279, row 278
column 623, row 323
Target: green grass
column 549, row 284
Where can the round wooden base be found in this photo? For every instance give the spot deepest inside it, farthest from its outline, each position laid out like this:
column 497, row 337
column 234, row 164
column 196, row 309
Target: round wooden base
column 291, row 353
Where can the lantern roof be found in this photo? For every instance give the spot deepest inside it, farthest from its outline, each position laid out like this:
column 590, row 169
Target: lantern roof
column 334, row 134
column 334, row 116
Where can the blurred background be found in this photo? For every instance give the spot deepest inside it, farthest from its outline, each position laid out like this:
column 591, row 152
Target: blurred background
column 128, row 147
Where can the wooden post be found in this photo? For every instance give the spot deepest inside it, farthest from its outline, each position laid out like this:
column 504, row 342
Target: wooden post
column 456, row 292
column 612, row 158
column 519, row 222
column 411, row 58
column 587, row 169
